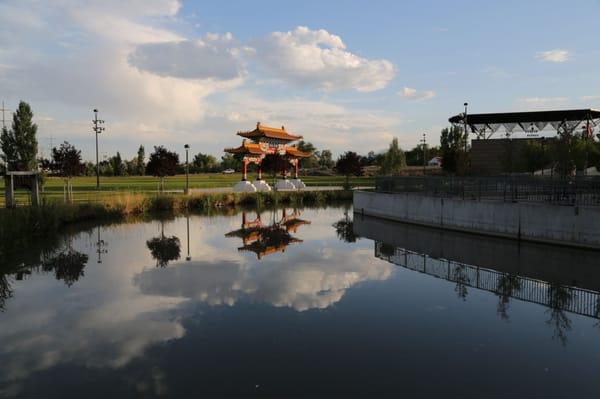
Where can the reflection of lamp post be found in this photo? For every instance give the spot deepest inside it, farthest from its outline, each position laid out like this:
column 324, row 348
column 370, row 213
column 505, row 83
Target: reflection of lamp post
column 100, row 247
column 187, row 169
column 188, row 257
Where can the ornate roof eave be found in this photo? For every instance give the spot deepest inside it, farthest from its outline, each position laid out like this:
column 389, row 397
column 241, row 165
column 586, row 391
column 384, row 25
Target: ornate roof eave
column 246, row 148
column 295, row 152
column 269, row 132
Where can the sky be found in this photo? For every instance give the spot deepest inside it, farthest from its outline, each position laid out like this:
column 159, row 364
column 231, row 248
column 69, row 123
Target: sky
column 347, row 75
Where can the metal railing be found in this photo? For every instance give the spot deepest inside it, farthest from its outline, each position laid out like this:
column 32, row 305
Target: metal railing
column 566, row 191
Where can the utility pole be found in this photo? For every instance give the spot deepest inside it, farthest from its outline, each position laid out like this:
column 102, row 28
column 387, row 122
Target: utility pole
column 97, row 129
column 424, row 142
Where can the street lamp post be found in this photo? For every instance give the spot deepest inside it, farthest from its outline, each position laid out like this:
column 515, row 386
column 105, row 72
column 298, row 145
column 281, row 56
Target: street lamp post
column 97, row 129
column 187, row 169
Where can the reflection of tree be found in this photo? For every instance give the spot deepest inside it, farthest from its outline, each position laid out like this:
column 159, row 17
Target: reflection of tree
column 559, row 297
column 597, row 312
column 164, row 249
column 507, row 285
column 387, row 250
column 459, row 275
column 345, row 229
column 67, row 265
column 5, row 290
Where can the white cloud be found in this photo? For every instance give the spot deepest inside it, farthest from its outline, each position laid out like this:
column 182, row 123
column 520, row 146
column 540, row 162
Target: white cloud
column 154, row 85
column 414, row 94
column 590, row 98
column 92, row 69
column 317, row 58
column 213, row 57
column 544, row 102
column 325, row 124
column 556, row 55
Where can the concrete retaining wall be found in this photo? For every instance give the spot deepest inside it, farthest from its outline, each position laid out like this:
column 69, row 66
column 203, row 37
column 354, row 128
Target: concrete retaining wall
column 567, row 225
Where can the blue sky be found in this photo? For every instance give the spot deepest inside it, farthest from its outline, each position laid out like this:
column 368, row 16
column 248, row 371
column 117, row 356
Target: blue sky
column 346, row 75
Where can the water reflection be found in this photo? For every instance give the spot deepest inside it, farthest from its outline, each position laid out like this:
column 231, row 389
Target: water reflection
column 508, row 285
column 57, row 257
column 529, row 283
column 344, row 228
column 120, row 307
column 559, row 300
column 5, row 290
column 267, row 238
column 287, row 315
column 164, row 249
column 67, row 265
column 101, row 246
column 310, row 278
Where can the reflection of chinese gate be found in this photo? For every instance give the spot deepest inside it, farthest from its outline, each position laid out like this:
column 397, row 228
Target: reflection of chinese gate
column 572, row 299
column 264, row 239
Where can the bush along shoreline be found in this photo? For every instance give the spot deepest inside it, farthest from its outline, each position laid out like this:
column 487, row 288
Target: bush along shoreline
column 19, row 226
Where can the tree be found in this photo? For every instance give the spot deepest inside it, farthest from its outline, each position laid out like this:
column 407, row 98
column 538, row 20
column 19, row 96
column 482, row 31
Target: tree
column 230, row 161
column 162, row 163
column 452, row 148
column 139, row 161
column 19, row 144
column 348, row 164
column 326, row 159
column 274, row 164
column 204, row 163
column 311, row 161
column 393, row 160
column 66, row 161
column 117, row 164
column 414, row 157
column 534, row 156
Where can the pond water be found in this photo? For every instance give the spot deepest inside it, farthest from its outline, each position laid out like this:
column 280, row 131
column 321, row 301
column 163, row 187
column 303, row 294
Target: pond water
column 291, row 303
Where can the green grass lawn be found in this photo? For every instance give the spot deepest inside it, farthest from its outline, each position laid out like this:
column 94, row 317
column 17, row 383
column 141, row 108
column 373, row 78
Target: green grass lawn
column 84, row 188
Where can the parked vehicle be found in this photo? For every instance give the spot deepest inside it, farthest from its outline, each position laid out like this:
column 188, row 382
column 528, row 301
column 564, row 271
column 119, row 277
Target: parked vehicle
column 228, row 171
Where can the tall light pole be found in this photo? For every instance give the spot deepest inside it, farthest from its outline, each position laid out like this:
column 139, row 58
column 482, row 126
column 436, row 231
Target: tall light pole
column 466, row 131
column 187, row 169
column 424, row 142
column 97, row 128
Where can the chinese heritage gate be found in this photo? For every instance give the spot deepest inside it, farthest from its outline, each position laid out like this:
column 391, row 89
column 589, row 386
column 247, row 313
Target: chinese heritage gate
column 267, row 141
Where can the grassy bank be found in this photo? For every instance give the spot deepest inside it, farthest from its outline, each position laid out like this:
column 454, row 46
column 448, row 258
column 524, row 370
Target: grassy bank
column 84, row 188
column 19, row 226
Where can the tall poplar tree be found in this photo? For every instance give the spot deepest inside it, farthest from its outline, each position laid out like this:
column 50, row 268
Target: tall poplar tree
column 19, row 144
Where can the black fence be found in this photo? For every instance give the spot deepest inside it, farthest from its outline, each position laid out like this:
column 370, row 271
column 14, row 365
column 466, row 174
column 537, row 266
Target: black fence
column 571, row 191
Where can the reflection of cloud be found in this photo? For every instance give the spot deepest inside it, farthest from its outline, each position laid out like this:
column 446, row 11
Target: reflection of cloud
column 124, row 306
column 301, row 283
